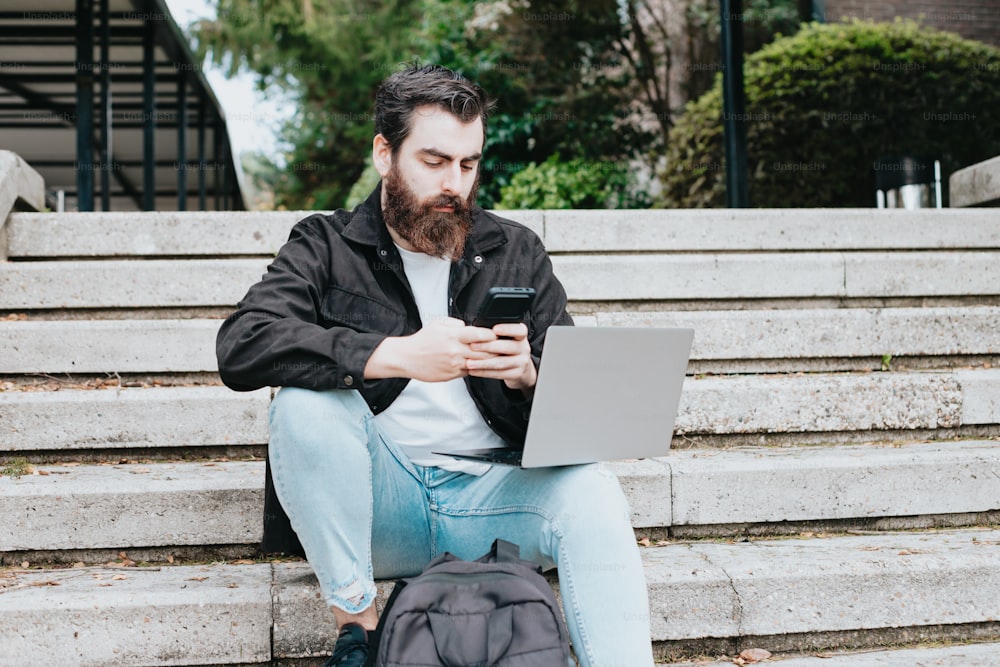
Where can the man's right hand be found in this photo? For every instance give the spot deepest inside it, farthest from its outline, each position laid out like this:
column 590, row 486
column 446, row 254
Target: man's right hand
column 436, row 353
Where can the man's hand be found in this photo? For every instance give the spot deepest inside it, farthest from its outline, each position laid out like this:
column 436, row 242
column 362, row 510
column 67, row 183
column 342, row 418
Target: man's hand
column 509, row 357
column 438, row 352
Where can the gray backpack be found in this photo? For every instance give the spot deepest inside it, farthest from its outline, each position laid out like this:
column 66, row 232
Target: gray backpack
column 497, row 611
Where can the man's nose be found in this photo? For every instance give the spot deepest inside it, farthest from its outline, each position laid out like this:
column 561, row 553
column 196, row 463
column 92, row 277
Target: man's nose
column 451, row 181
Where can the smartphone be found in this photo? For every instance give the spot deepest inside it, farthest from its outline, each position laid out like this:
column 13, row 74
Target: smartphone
column 504, row 304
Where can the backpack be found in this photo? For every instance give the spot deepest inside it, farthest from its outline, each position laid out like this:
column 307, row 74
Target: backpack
column 497, row 611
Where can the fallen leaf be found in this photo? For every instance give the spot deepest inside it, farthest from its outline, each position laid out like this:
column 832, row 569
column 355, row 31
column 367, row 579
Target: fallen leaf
column 119, row 577
column 752, row 655
column 25, row 565
column 644, row 542
column 243, row 561
column 197, row 579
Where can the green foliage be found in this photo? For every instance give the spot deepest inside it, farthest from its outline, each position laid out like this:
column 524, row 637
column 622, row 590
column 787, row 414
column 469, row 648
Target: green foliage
column 823, row 105
column 363, row 187
column 577, row 183
column 328, row 56
column 553, row 68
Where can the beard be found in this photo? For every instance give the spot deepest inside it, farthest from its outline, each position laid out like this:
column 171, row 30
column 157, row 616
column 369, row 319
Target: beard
column 436, row 233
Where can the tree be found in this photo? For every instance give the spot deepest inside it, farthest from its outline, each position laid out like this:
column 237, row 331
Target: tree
column 328, row 56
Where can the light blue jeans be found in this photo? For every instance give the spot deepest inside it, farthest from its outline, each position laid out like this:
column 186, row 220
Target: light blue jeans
column 363, row 511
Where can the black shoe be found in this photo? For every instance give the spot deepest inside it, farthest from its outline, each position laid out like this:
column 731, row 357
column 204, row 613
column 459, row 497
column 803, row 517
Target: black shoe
column 351, row 649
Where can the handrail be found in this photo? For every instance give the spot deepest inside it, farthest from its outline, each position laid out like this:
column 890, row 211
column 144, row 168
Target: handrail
column 976, row 185
column 21, row 188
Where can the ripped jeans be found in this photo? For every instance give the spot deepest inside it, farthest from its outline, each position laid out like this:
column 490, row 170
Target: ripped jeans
column 363, row 511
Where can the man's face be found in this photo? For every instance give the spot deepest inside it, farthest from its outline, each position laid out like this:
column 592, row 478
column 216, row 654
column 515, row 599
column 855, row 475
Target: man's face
column 430, row 183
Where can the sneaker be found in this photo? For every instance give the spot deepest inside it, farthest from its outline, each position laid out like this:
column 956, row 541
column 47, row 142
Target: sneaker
column 351, row 649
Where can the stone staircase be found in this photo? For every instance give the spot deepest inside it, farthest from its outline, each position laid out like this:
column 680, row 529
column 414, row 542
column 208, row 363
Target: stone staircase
column 834, row 484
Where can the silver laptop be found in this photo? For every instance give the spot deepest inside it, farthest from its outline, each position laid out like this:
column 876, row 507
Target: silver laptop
column 603, row 393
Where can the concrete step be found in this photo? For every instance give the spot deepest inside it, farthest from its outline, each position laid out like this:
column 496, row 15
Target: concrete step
column 151, row 234
column 780, row 595
column 749, row 230
column 728, row 405
column 955, row 655
column 725, row 340
column 806, row 275
column 769, row 275
column 133, row 505
column 111, row 419
column 194, row 234
column 822, row 338
column 889, row 406
column 154, row 283
column 140, row 505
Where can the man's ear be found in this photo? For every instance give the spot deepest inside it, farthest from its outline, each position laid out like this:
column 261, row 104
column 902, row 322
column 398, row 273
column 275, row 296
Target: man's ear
column 381, row 155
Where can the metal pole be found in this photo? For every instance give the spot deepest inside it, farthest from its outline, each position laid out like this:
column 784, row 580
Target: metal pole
column 216, row 162
column 812, row 11
column 85, row 105
column 733, row 104
column 106, row 117
column 201, row 152
column 182, row 121
column 149, row 117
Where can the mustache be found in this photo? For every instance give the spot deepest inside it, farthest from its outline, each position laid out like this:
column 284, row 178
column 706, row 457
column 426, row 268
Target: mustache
column 443, row 200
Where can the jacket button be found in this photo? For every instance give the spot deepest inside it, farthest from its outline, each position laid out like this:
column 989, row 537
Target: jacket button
column 383, row 253
column 478, row 259
column 348, row 380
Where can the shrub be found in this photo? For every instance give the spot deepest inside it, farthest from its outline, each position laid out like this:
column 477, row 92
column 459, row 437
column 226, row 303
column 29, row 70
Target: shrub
column 576, row 183
column 823, row 105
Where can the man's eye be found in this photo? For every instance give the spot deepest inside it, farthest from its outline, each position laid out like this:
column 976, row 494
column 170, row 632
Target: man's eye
column 432, row 164
column 468, row 167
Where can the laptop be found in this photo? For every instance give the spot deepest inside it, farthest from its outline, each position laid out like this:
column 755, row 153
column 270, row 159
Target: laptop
column 603, row 393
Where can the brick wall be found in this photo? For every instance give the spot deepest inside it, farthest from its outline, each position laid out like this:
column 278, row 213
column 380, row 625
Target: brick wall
column 973, row 20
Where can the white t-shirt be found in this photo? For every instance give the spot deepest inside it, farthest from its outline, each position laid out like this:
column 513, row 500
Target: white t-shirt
column 438, row 416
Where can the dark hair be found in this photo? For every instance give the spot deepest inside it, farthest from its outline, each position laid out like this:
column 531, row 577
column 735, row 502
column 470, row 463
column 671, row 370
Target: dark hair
column 422, row 85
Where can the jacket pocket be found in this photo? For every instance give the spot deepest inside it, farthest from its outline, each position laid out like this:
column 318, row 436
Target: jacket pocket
column 342, row 307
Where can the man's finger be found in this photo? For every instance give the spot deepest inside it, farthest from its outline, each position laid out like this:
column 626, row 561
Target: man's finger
column 514, row 330
column 476, row 335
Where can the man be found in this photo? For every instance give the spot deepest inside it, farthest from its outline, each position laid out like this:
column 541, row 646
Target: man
column 361, row 319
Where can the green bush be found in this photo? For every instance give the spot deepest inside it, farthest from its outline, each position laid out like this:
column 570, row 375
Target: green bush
column 577, row 183
column 823, row 105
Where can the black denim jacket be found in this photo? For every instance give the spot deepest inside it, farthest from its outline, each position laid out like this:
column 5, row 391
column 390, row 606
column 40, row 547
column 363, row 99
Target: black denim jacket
column 337, row 288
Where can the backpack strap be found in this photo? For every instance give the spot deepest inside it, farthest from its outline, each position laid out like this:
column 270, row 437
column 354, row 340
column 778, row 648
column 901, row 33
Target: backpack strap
column 375, row 637
column 503, row 551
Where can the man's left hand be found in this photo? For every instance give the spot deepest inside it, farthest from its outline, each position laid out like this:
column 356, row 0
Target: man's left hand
column 511, row 360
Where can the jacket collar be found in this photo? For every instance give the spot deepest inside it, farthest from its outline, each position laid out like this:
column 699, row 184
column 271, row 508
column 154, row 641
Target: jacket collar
column 367, row 226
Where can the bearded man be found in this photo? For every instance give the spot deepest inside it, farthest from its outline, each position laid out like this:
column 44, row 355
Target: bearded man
column 362, row 320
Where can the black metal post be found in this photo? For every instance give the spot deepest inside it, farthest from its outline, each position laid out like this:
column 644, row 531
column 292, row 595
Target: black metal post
column 149, row 116
column 734, row 104
column 216, row 163
column 227, row 175
column 813, row 10
column 201, row 152
column 106, row 117
column 85, row 105
column 182, row 121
